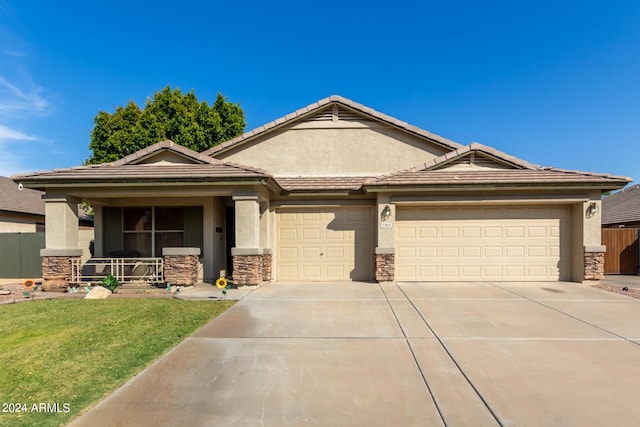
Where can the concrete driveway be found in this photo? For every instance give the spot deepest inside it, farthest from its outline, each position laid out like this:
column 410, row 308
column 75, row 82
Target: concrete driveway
column 362, row 354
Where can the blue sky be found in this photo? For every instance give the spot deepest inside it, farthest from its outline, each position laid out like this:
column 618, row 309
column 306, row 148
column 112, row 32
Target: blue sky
column 556, row 83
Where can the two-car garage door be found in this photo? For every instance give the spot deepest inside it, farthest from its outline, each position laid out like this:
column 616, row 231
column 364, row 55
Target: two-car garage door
column 490, row 243
column 431, row 243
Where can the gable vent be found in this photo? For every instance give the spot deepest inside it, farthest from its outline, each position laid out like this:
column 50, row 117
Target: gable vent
column 476, row 161
column 334, row 114
column 322, row 116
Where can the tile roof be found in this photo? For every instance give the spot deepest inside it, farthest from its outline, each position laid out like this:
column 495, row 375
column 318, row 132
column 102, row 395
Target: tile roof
column 522, row 173
column 315, row 107
column 622, row 207
column 478, row 148
column 144, row 172
column 499, row 177
column 350, row 183
column 166, row 145
column 13, row 200
column 129, row 169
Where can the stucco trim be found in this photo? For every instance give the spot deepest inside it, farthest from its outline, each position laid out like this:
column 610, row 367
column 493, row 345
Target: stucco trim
column 595, row 248
column 60, row 252
column 180, row 251
column 246, row 251
column 385, row 251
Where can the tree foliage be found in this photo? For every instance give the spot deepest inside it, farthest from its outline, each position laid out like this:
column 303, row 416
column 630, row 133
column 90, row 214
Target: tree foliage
column 169, row 115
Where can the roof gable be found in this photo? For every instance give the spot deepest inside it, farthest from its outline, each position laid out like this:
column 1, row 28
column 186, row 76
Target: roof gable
column 332, row 109
column 165, row 153
column 476, row 156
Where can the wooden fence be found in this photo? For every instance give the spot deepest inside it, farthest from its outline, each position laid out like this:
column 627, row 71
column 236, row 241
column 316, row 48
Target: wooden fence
column 622, row 250
column 20, row 255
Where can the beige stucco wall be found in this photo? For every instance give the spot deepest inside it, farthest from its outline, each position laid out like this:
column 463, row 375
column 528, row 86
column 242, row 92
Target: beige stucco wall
column 247, row 221
column 61, row 217
column 13, row 224
column 334, row 150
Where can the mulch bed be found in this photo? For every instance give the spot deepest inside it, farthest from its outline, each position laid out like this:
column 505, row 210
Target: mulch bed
column 631, row 292
column 16, row 294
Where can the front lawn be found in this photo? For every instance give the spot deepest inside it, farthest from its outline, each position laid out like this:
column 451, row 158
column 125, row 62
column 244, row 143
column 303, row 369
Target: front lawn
column 59, row 357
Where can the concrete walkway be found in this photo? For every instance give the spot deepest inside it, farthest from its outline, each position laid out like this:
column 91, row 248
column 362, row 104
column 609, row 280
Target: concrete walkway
column 362, row 354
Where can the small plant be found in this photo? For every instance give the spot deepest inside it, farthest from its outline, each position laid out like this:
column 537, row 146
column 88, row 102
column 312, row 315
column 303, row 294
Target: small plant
column 111, row 283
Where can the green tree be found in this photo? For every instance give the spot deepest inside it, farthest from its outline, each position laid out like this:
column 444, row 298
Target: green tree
column 169, row 115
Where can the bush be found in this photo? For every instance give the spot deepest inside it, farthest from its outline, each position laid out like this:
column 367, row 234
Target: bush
column 110, row 283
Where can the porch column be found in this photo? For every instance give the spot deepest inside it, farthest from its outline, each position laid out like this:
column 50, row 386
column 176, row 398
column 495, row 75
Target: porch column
column 247, row 255
column 61, row 240
column 385, row 249
column 594, row 251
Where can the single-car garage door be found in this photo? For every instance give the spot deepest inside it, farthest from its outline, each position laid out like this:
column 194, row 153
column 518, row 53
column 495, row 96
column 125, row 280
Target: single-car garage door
column 323, row 244
column 488, row 243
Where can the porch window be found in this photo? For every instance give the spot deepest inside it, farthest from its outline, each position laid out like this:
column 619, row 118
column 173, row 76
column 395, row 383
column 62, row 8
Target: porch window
column 144, row 231
column 147, row 230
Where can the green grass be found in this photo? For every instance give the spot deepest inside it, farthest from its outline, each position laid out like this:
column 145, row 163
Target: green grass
column 76, row 352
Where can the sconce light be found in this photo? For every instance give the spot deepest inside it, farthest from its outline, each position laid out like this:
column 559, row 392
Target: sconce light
column 592, row 209
column 386, row 213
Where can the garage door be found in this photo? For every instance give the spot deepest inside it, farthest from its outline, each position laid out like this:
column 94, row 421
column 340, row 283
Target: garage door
column 323, row 244
column 489, row 243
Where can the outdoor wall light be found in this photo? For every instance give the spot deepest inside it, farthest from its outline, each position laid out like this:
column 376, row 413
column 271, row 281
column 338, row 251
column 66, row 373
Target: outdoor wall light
column 386, row 213
column 592, row 209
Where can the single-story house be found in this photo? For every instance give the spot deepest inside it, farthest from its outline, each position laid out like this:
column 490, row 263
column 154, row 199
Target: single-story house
column 334, row 191
column 622, row 209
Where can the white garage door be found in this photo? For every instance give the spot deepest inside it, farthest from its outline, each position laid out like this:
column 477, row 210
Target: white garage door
column 489, row 243
column 323, row 244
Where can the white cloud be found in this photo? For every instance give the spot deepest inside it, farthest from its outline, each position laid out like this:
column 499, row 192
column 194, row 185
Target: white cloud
column 14, row 99
column 8, row 134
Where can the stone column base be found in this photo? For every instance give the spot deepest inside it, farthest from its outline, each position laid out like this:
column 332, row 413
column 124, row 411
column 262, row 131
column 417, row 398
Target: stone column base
column 57, row 271
column 181, row 265
column 385, row 267
column 266, row 267
column 594, row 264
column 248, row 269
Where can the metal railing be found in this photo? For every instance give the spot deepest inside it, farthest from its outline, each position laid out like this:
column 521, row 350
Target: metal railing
column 124, row 269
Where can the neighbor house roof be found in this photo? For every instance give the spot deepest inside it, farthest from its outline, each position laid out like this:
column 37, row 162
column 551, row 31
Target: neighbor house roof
column 320, row 105
column 622, row 207
column 25, row 201
column 130, row 169
column 434, row 173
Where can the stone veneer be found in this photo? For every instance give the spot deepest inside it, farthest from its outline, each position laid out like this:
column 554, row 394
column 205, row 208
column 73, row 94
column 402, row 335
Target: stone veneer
column 266, row 267
column 385, row 267
column 57, row 272
column 57, row 266
column 181, row 269
column 248, row 269
column 593, row 265
column 181, row 265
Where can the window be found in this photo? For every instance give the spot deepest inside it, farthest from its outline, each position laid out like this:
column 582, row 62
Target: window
column 147, row 230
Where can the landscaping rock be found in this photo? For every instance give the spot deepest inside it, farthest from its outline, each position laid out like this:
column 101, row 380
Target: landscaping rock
column 98, row 293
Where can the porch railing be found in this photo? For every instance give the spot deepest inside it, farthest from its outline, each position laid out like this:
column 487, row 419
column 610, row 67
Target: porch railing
column 124, row 269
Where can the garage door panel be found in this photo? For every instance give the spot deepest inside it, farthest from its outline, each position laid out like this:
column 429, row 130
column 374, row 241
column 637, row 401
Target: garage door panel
column 488, row 243
column 321, row 244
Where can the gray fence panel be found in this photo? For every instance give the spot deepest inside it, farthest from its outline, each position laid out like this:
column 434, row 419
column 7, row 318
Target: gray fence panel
column 20, row 255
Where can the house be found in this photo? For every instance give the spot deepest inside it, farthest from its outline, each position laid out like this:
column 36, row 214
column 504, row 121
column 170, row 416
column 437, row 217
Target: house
column 334, row 191
column 620, row 227
column 622, row 209
column 21, row 211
